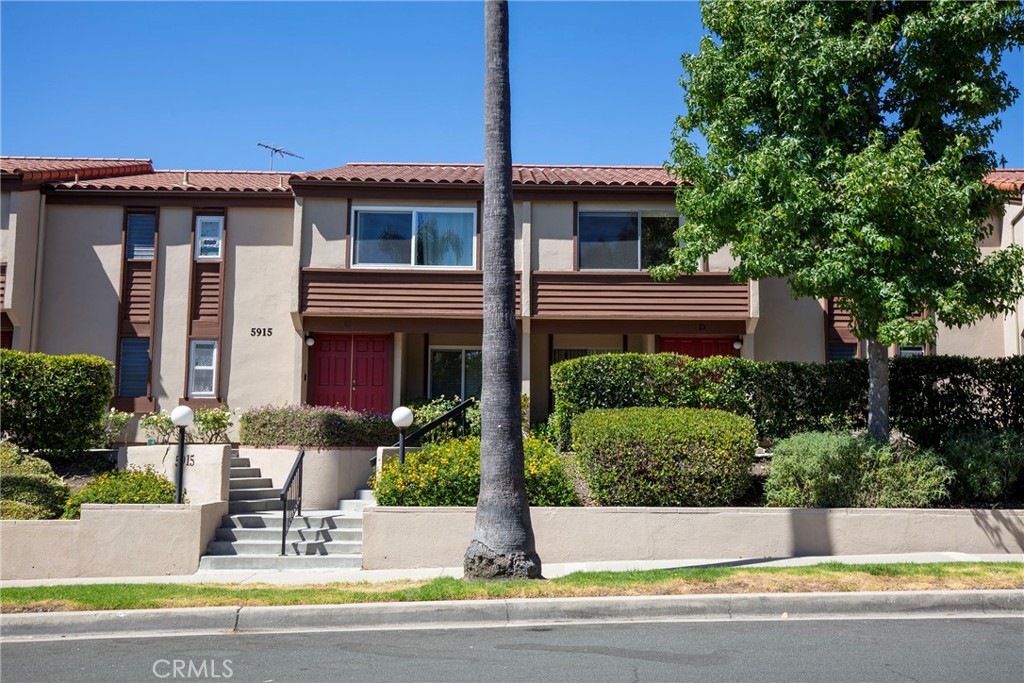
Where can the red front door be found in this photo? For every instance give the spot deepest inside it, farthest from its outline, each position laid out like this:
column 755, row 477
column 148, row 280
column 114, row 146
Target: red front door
column 352, row 371
column 698, row 347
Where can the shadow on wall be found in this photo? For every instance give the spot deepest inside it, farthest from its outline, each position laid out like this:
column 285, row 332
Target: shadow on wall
column 809, row 532
column 1003, row 531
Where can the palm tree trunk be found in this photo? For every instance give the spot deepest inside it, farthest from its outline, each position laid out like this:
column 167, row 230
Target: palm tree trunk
column 503, row 544
column 878, row 390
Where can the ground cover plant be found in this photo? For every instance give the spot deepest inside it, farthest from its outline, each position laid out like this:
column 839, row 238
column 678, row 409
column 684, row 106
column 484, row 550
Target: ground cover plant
column 664, row 456
column 826, row 577
column 827, row 469
column 448, row 473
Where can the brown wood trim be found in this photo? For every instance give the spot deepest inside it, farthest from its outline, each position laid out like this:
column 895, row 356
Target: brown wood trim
column 480, row 236
column 200, row 402
column 137, row 328
column 144, row 199
column 154, row 278
column 206, row 329
column 191, row 298
column 575, row 235
column 141, row 404
column 349, row 233
column 3, row 282
column 458, row 191
column 218, row 366
column 680, row 328
column 323, row 324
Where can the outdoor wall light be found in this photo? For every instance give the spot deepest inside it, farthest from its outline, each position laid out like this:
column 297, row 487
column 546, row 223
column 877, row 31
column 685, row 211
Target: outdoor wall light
column 309, row 339
column 182, row 417
column 738, row 344
column 402, row 418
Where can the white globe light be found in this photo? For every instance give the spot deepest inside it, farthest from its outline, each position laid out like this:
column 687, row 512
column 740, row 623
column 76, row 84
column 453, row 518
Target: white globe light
column 182, row 416
column 402, row 417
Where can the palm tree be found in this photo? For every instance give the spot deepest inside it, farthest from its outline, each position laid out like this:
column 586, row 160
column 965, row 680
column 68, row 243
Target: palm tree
column 502, row 545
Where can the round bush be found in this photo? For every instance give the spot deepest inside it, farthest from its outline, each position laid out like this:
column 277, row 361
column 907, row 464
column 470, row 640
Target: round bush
column 448, row 474
column 13, row 461
column 123, row 487
column 824, row 469
column 664, row 457
column 989, row 465
column 45, row 491
column 13, row 509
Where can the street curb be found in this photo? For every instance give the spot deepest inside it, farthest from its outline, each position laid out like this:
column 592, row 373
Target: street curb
column 515, row 612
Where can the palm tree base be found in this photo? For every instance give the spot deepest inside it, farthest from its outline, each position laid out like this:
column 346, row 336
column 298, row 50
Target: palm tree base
column 482, row 563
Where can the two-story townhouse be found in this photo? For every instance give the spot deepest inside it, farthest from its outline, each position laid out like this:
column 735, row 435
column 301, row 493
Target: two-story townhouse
column 361, row 285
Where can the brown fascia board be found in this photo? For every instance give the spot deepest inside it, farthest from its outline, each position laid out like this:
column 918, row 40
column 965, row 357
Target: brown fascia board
column 398, row 190
column 169, row 197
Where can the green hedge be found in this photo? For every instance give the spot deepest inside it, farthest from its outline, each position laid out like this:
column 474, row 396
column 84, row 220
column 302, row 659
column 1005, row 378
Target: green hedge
column 123, row 487
column 314, row 427
column 664, row 456
column 989, row 466
column 30, row 483
column 54, row 404
column 932, row 398
column 12, row 509
column 448, row 474
column 827, row 469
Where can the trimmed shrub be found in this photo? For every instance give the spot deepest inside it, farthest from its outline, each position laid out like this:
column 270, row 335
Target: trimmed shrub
column 932, row 398
column 664, row 456
column 989, row 465
column 123, row 487
column 314, row 427
column 211, row 425
column 54, row 404
column 13, row 509
column 448, row 474
column 822, row 469
column 30, row 481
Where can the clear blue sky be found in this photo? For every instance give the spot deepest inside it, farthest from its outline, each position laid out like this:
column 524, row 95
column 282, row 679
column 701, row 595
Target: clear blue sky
column 197, row 85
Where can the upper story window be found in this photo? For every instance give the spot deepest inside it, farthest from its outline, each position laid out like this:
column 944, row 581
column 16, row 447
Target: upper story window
column 414, row 237
column 209, row 237
column 141, row 236
column 202, row 370
column 625, row 240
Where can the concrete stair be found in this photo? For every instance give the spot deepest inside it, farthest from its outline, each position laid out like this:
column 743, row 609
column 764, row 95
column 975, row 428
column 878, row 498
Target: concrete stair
column 364, row 498
column 250, row 534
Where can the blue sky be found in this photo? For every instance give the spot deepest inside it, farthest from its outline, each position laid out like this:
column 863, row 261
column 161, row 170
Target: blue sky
column 197, row 85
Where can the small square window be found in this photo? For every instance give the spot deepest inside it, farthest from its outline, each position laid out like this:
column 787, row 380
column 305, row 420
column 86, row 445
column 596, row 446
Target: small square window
column 202, row 374
column 209, row 237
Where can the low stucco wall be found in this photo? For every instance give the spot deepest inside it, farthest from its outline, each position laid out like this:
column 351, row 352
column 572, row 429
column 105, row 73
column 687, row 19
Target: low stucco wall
column 110, row 540
column 207, row 468
column 328, row 475
column 405, row 537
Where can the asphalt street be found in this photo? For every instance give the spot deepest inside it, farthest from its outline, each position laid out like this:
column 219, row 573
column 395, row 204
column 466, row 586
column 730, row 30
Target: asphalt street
column 923, row 649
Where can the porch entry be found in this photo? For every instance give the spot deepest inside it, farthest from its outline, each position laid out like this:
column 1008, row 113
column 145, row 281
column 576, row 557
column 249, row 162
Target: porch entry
column 698, row 347
column 352, row 371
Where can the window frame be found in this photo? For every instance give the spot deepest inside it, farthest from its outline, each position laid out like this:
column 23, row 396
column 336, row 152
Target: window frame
column 639, row 213
column 192, row 393
column 353, row 235
column 462, row 378
column 199, row 237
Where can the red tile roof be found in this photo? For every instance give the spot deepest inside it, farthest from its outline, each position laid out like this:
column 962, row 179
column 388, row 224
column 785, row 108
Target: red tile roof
column 1007, row 179
column 54, row 169
column 473, row 174
column 189, row 181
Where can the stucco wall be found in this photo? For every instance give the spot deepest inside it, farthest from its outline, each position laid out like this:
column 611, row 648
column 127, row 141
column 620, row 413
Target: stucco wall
column 395, row 537
column 207, row 468
column 258, row 369
column 788, row 329
column 328, row 475
column 20, row 253
column 551, row 232
column 323, row 232
column 174, row 260
column 110, row 540
column 81, row 280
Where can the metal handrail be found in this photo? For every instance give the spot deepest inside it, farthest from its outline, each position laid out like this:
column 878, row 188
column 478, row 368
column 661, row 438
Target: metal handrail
column 458, row 412
column 291, row 497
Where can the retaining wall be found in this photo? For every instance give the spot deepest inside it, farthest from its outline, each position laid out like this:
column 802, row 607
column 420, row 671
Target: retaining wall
column 406, row 537
column 328, row 475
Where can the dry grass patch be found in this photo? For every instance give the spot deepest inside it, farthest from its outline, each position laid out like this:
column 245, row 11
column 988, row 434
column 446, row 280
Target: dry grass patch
column 829, row 577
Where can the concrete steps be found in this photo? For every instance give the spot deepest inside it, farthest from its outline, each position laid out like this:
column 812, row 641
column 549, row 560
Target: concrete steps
column 250, row 534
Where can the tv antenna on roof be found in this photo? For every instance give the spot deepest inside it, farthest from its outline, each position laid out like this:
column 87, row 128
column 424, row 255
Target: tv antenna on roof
column 276, row 150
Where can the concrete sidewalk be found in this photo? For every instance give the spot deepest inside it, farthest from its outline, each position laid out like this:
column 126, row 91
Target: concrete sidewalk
column 293, row 577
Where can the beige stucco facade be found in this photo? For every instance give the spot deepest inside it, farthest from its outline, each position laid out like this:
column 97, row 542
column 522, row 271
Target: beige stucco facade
column 65, row 264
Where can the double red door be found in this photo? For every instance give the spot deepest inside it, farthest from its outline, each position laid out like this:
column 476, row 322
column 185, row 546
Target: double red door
column 352, row 371
column 698, row 347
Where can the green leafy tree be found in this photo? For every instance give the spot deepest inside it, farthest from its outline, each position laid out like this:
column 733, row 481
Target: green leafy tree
column 847, row 143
